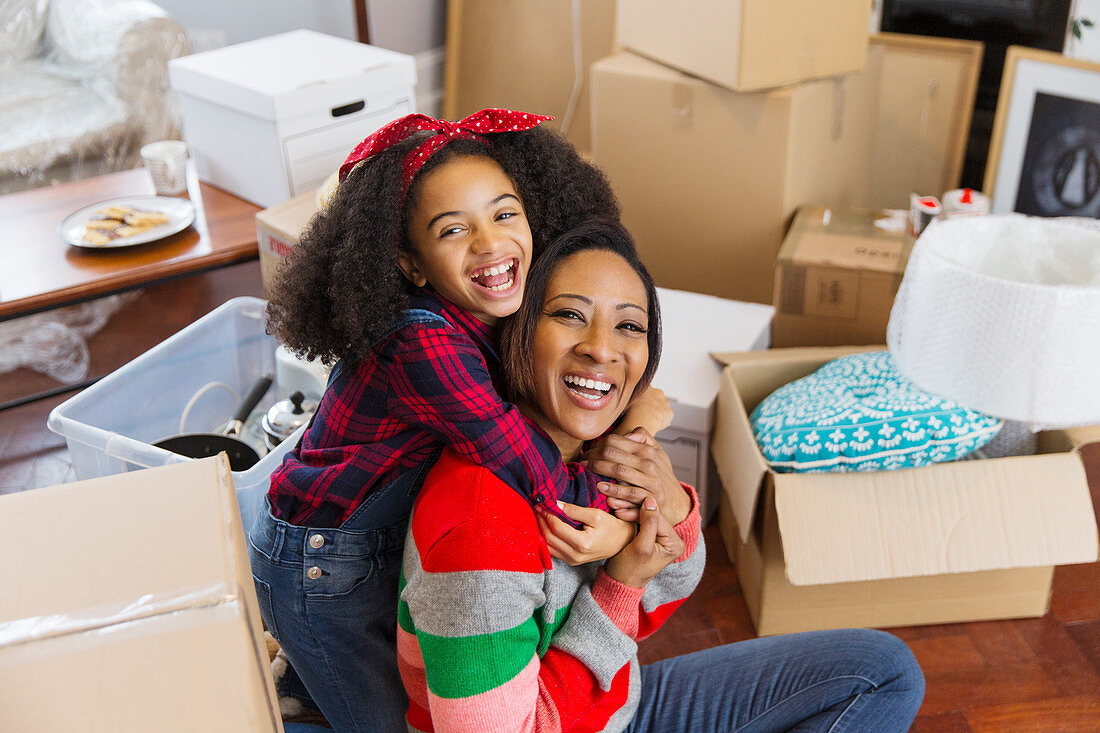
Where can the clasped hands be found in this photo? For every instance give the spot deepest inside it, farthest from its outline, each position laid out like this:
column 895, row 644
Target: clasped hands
column 637, row 538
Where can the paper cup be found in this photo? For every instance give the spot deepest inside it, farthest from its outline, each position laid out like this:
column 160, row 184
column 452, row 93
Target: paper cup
column 166, row 162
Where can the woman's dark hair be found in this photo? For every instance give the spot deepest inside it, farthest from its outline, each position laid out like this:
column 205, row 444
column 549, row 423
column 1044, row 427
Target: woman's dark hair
column 341, row 286
column 517, row 336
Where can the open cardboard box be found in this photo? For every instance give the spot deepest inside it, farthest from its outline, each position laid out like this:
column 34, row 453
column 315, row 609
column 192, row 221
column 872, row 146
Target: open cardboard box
column 129, row 605
column 961, row 541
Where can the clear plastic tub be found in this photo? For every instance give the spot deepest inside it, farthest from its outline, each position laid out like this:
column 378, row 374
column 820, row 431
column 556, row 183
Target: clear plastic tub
column 110, row 426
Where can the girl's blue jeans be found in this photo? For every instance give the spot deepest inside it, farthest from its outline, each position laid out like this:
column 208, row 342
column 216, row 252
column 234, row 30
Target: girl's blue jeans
column 329, row 596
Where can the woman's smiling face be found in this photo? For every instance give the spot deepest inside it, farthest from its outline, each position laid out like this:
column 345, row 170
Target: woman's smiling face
column 590, row 346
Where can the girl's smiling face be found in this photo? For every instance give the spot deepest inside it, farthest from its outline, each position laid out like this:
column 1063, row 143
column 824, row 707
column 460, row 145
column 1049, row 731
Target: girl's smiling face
column 469, row 238
column 590, row 347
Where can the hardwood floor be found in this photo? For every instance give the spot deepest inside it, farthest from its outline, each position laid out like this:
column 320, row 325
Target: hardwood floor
column 1026, row 675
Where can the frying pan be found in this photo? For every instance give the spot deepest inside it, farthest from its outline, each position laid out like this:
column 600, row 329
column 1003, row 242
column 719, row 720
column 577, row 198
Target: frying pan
column 242, row 456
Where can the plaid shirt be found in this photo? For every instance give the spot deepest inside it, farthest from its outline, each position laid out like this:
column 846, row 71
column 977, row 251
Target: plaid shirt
column 424, row 386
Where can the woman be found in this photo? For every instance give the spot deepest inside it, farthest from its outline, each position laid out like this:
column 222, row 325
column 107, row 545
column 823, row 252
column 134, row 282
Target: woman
column 495, row 636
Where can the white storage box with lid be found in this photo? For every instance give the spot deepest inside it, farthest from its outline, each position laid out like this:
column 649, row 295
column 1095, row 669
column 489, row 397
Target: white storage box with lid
column 272, row 118
column 694, row 326
column 110, row 426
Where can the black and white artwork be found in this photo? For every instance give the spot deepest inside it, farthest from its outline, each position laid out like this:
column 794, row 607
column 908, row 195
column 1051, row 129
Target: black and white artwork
column 1060, row 175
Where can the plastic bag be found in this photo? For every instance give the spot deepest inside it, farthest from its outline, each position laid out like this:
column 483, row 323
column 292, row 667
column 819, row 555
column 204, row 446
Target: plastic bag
column 54, row 343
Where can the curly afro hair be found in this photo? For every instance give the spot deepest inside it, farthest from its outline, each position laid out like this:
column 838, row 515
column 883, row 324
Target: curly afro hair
column 341, row 287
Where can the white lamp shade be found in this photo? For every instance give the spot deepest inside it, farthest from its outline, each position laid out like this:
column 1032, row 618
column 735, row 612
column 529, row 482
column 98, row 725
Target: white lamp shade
column 1001, row 313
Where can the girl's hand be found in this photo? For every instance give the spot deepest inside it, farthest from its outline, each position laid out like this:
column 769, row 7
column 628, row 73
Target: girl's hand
column 603, row 535
column 649, row 410
column 640, row 468
column 656, row 545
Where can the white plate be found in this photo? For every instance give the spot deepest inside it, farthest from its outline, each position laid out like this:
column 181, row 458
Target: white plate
column 180, row 212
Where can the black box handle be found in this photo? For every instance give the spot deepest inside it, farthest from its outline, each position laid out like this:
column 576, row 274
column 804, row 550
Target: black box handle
column 348, row 109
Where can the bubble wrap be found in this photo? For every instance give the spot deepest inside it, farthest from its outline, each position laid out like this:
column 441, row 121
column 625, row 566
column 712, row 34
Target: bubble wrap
column 54, row 343
column 1002, row 314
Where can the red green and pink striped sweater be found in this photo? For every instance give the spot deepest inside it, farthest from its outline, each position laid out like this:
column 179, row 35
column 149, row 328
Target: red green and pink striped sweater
column 493, row 635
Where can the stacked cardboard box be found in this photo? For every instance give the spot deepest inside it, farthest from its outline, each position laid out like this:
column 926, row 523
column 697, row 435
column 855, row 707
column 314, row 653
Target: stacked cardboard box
column 710, row 159
column 837, row 274
column 747, row 45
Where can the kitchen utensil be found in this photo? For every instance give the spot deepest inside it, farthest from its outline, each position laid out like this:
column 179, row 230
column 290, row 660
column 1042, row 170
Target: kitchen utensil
column 285, row 417
column 241, row 455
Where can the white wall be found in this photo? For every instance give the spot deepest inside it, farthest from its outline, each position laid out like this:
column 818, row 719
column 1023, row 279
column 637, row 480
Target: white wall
column 213, row 23
column 1089, row 45
column 409, row 26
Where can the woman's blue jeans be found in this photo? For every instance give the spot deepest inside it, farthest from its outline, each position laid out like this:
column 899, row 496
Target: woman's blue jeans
column 329, row 596
column 837, row 681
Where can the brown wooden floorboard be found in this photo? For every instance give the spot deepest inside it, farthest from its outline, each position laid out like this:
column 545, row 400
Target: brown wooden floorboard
column 1034, row 675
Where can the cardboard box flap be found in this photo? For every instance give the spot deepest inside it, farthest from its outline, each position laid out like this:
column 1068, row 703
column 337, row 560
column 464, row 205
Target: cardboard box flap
column 949, row 518
column 749, row 377
column 875, row 240
column 816, row 354
column 740, row 465
column 1083, row 435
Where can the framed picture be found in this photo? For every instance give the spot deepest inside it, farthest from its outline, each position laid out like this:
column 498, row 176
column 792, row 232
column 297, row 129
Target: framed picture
column 1044, row 155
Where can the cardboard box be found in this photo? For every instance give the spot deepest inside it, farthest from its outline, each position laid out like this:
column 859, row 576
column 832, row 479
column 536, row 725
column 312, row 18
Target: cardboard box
column 709, row 178
column 749, row 44
column 278, row 229
column 837, row 274
column 132, row 608
column 271, row 118
column 521, row 55
column 693, row 326
column 961, row 541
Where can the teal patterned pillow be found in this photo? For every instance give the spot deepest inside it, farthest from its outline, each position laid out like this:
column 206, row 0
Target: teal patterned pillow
column 858, row 413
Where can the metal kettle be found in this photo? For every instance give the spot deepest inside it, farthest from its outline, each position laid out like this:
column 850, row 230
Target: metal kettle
column 285, row 417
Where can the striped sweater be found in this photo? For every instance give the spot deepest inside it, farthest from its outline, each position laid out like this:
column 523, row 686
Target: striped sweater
column 493, row 635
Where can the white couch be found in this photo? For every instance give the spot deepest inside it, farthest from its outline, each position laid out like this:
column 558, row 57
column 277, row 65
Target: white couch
column 83, row 85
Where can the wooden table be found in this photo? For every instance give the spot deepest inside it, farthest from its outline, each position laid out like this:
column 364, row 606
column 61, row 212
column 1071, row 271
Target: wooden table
column 38, row 271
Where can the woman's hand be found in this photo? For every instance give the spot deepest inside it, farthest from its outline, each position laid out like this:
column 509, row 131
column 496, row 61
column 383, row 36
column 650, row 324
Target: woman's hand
column 603, row 535
column 640, row 468
column 656, row 545
column 649, row 410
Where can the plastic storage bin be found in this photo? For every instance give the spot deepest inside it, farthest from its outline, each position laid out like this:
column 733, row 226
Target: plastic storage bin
column 110, row 426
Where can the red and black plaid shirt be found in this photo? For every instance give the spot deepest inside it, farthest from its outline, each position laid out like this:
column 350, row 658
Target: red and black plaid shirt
column 425, row 386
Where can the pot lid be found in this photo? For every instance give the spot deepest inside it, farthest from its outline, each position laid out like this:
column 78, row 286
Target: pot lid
column 288, row 415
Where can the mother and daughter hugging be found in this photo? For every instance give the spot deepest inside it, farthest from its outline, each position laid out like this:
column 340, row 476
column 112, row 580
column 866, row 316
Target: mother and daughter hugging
column 478, row 526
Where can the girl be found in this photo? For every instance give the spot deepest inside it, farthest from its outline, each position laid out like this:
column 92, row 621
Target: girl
column 496, row 638
column 425, row 245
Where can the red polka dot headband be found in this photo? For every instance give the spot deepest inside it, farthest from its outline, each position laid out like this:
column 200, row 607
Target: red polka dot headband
column 473, row 127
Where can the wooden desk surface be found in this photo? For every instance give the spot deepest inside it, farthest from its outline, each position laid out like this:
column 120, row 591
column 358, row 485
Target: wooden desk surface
column 39, row 271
